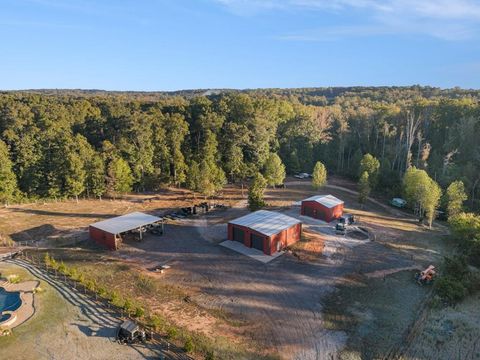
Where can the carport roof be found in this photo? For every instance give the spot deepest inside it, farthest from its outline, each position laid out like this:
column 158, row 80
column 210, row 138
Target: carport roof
column 126, row 222
column 266, row 222
column 328, row 201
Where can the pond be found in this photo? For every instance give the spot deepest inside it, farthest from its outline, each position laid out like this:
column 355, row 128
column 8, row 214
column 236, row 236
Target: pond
column 9, row 301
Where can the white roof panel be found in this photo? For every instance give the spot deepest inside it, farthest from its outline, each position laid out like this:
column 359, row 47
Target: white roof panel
column 328, row 201
column 266, row 222
column 126, row 222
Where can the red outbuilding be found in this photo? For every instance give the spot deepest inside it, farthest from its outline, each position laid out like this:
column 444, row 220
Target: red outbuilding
column 108, row 232
column 323, row 207
column 267, row 231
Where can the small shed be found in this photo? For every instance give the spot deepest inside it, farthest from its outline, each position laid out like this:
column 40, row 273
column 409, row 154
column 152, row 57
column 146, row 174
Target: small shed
column 267, row 231
column 323, row 207
column 107, row 232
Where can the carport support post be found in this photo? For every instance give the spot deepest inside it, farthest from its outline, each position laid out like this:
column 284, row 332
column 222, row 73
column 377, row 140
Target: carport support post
column 141, row 233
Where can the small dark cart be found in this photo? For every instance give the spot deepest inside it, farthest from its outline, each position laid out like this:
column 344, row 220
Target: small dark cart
column 130, row 333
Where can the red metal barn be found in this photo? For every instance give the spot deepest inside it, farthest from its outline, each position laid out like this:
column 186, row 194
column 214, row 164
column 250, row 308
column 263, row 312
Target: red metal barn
column 108, row 232
column 323, row 207
column 266, row 231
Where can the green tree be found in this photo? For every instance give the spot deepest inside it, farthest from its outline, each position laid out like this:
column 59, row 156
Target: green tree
column 176, row 130
column 319, row 175
column 371, row 165
column 193, row 176
column 274, row 170
column 212, row 178
column 96, row 176
column 466, row 231
column 363, row 188
column 256, row 192
column 120, row 176
column 423, row 192
column 8, row 181
column 455, row 197
column 76, row 175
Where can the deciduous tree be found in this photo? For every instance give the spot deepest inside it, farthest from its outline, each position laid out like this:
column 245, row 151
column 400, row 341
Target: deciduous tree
column 319, row 175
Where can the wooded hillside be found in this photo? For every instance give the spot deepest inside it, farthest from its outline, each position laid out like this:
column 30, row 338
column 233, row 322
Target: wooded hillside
column 72, row 143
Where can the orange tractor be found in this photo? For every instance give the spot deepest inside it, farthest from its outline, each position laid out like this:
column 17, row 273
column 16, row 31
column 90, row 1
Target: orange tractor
column 426, row 276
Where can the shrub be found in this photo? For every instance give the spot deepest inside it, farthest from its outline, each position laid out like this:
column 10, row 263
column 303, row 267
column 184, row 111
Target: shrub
column 145, row 284
column 210, row 355
column 139, row 312
column 450, row 289
column 102, row 292
column 188, row 346
column 172, row 333
column 13, row 279
column 127, row 306
column 156, row 322
column 114, row 298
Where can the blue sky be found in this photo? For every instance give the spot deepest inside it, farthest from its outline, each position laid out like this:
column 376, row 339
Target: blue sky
column 187, row 44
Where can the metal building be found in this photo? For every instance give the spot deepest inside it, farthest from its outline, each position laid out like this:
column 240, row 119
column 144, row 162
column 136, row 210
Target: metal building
column 264, row 230
column 323, row 207
column 108, row 232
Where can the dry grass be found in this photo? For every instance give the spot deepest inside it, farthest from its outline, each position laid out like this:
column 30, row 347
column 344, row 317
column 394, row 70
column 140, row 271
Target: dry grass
column 309, row 248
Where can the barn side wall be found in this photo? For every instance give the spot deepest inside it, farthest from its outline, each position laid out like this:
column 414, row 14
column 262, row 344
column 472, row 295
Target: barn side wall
column 285, row 237
column 337, row 211
column 322, row 212
column 246, row 233
column 103, row 238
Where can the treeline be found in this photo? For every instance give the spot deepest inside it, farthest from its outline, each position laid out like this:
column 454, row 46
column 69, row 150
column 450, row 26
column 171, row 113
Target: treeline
column 74, row 144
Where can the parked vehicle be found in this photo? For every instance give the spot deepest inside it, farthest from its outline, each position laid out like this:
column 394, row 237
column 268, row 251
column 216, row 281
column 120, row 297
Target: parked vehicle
column 347, row 219
column 340, row 229
column 398, row 202
column 156, row 229
column 302, row 176
column 130, row 333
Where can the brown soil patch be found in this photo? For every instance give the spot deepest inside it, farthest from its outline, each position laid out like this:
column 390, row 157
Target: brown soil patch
column 310, row 247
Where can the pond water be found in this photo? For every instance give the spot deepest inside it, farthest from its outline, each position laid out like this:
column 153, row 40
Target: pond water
column 9, row 301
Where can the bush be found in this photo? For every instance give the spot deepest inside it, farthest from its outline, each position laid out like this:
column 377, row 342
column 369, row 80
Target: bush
column 127, row 306
column 210, row 355
column 450, row 289
column 188, row 347
column 139, row 312
column 172, row 333
column 156, row 322
column 145, row 284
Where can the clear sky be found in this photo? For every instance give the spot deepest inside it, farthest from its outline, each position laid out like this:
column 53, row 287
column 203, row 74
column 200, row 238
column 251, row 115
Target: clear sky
column 187, row 44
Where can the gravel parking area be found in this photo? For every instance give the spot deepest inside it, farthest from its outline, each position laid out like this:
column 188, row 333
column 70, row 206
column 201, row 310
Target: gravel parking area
column 282, row 299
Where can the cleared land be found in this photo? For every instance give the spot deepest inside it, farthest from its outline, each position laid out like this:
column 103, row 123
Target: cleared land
column 329, row 297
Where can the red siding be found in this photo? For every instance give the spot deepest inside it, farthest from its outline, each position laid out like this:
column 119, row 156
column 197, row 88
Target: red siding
column 285, row 237
column 322, row 212
column 103, row 238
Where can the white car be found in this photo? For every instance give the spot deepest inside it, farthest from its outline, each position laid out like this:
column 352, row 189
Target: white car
column 302, row 176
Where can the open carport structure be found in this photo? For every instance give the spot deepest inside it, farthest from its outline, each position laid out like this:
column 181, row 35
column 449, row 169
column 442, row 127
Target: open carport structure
column 108, row 232
column 267, row 231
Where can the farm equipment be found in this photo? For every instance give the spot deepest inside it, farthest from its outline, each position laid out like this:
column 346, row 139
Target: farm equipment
column 426, row 276
column 347, row 219
column 131, row 333
column 341, row 229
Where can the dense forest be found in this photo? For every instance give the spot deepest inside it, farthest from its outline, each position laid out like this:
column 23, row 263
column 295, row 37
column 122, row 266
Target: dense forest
column 71, row 143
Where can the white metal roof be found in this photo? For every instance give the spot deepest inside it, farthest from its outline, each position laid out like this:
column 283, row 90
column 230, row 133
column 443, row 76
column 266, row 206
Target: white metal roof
column 266, row 222
column 126, row 222
column 328, row 201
